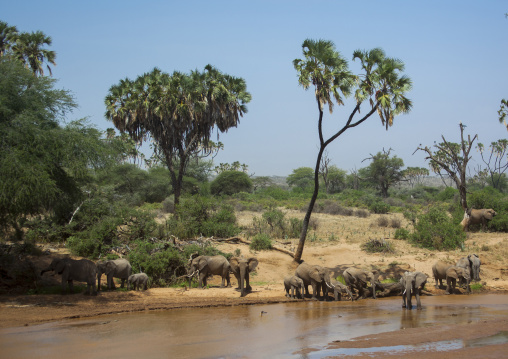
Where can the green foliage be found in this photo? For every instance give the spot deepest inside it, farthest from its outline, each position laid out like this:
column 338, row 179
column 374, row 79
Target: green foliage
column 379, row 207
column 436, row 230
column 447, row 194
column 231, row 182
column 302, row 178
column 261, row 242
column 383, row 171
column 196, row 216
column 274, row 223
column 401, row 233
column 492, row 198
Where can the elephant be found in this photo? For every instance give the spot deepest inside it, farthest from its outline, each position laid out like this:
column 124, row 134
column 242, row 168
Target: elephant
column 439, row 271
column 358, row 279
column 315, row 275
column 138, row 280
column 206, row 266
column 453, row 274
column 294, row 283
column 472, row 264
column 241, row 267
column 413, row 282
column 82, row 270
column 339, row 289
column 477, row 216
column 117, row 268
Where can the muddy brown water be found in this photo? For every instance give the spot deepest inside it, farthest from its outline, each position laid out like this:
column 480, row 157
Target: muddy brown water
column 287, row 330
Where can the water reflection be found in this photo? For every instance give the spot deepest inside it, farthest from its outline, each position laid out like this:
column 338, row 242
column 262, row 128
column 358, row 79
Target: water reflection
column 283, row 331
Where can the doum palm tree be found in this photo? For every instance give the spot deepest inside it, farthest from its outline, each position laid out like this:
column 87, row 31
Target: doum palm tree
column 380, row 85
column 28, row 49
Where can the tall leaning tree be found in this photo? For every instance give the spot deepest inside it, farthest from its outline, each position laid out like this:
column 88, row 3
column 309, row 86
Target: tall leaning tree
column 178, row 112
column 381, row 88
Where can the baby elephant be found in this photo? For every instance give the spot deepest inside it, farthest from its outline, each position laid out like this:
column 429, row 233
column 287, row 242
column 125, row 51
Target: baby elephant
column 138, row 280
column 453, row 274
column 294, row 283
column 339, row 289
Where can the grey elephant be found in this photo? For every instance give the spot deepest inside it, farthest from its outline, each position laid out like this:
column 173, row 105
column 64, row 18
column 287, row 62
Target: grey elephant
column 294, row 284
column 241, row 267
column 138, row 280
column 205, row 266
column 439, row 272
column 478, row 216
column 71, row 270
column 472, row 264
column 453, row 274
column 413, row 283
column 339, row 289
column 117, row 268
column 316, row 276
column 359, row 279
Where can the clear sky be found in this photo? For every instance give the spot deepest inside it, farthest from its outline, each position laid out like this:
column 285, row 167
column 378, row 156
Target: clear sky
column 455, row 53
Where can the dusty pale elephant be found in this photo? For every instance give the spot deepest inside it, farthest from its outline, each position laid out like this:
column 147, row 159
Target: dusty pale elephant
column 472, row 264
column 138, row 280
column 294, row 284
column 439, row 272
column 117, row 268
column 82, row 270
column 359, row 279
column 413, row 283
column 241, row 267
column 477, row 216
column 316, row 276
column 205, row 266
column 339, row 289
column 453, row 274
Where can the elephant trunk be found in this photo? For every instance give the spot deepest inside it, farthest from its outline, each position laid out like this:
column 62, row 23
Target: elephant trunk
column 349, row 293
column 302, row 293
column 476, row 273
column 243, row 270
column 408, row 293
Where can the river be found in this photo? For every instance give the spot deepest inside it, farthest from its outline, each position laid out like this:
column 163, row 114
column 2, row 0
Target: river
column 287, row 330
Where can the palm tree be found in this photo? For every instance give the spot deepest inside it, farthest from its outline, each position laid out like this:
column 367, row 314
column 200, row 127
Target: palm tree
column 325, row 69
column 29, row 50
column 178, row 111
column 8, row 36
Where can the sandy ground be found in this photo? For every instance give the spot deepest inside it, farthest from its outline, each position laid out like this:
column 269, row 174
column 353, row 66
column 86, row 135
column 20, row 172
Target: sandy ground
column 342, row 251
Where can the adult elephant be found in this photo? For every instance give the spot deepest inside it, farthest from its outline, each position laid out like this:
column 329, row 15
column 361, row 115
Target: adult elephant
column 359, row 279
column 241, row 267
column 439, row 271
column 117, row 268
column 478, row 216
column 71, row 270
column 316, row 276
column 413, row 283
column 472, row 264
column 205, row 266
column 453, row 274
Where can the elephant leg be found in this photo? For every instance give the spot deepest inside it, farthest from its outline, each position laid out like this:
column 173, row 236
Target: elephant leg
column 314, row 290
column 248, row 288
column 123, row 283
column 418, row 303
column 201, row 279
column 71, row 286
column 292, row 292
column 307, row 289
column 404, row 300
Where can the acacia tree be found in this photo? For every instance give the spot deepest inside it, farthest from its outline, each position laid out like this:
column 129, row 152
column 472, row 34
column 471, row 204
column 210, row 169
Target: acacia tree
column 178, row 111
column 414, row 175
column 453, row 159
column 380, row 86
column 384, row 171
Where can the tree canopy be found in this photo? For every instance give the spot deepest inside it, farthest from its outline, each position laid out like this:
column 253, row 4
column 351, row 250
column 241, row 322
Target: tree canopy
column 178, row 111
column 384, row 171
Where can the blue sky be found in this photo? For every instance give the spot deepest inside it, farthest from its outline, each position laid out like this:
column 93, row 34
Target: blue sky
column 455, row 53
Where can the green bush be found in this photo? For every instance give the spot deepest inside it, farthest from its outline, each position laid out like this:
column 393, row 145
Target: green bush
column 377, row 246
column 437, row 230
column 230, row 182
column 447, row 194
column 401, row 233
column 199, row 216
column 379, row 207
column 261, row 242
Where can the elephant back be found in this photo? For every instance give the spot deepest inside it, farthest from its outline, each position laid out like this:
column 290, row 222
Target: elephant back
column 302, row 272
column 82, row 270
column 123, row 268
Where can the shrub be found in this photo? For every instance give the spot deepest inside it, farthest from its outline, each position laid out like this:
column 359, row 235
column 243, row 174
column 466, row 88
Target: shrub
column 395, row 223
column 377, row 246
column 401, row 233
column 261, row 242
column 231, row 182
column 436, row 230
column 362, row 213
column 379, row 207
column 168, row 205
column 382, row 221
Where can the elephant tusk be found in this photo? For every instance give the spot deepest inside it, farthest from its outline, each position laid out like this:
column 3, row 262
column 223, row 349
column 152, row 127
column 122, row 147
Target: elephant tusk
column 404, row 292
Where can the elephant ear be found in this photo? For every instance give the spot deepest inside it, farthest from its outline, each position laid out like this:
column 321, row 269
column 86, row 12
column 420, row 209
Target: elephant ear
column 253, row 263
column 420, row 279
column 235, row 264
column 453, row 272
column 314, row 274
column 202, row 263
column 109, row 267
column 60, row 266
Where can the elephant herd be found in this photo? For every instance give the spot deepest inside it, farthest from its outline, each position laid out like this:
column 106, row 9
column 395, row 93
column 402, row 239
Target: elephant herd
column 357, row 280
column 85, row 270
